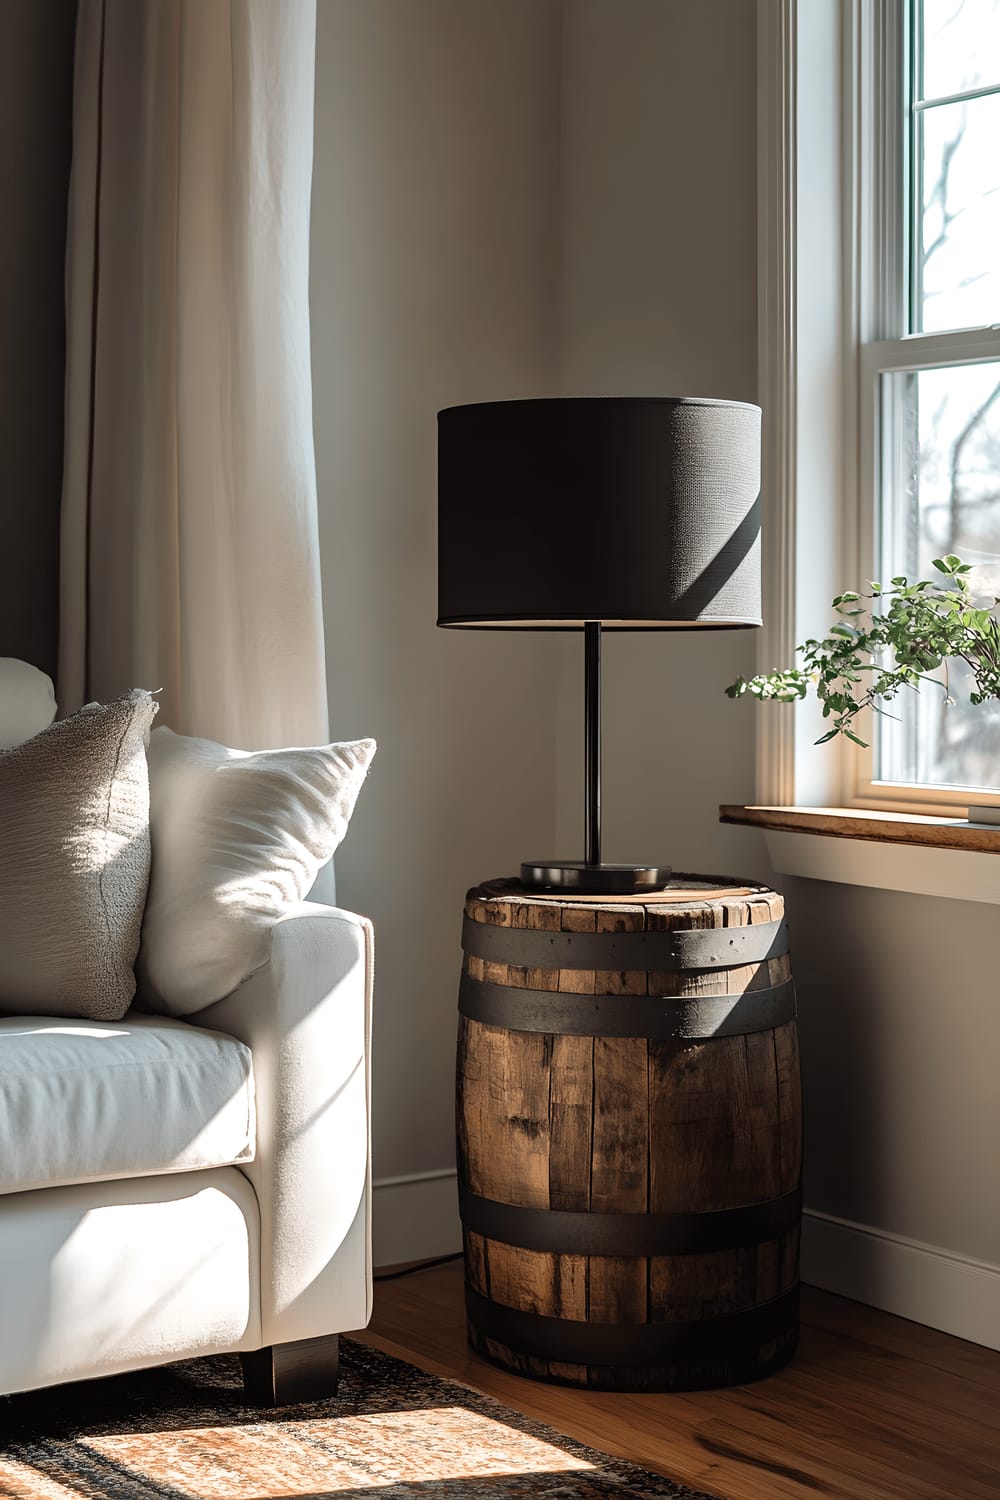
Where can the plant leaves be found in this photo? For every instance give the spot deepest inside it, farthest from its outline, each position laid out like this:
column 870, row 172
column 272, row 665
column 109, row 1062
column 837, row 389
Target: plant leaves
column 920, row 627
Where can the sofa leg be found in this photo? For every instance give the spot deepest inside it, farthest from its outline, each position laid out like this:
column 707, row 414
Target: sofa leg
column 283, row 1374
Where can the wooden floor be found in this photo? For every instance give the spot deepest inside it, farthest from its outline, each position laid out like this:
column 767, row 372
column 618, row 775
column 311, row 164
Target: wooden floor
column 871, row 1408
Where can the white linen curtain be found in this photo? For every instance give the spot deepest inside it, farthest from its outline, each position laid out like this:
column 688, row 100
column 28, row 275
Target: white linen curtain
column 190, row 557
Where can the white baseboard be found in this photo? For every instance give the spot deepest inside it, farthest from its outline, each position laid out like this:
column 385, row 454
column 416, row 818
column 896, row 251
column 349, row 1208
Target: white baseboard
column 907, row 1277
column 415, row 1217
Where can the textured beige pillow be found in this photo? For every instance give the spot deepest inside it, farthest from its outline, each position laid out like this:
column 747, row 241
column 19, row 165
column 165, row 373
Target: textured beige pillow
column 238, row 837
column 74, row 862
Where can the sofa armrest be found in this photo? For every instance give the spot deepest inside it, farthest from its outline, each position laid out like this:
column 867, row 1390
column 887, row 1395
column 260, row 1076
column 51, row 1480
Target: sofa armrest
column 306, row 1017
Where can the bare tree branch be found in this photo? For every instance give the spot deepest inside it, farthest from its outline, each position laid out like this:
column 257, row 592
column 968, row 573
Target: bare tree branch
column 940, row 193
column 955, row 465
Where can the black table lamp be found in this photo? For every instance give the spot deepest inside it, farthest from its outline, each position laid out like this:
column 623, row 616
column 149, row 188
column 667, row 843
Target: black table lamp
column 614, row 513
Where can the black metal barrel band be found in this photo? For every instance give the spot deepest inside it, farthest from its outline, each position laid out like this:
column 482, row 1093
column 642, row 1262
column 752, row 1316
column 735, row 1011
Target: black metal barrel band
column 658, row 1018
column 565, row 1232
column 734, row 1336
column 678, row 948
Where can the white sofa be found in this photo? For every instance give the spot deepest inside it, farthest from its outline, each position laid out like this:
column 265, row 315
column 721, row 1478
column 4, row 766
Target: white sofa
column 174, row 1188
column 219, row 1202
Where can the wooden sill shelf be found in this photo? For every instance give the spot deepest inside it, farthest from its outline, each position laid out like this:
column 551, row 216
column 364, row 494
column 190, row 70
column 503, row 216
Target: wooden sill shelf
column 876, row 827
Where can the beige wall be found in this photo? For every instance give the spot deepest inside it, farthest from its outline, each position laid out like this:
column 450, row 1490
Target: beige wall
column 900, row 1031
column 522, row 198
column 658, row 296
column 433, row 280
column 495, row 214
column 899, row 1023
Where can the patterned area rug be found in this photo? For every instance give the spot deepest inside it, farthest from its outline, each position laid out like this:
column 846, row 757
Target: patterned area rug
column 183, row 1432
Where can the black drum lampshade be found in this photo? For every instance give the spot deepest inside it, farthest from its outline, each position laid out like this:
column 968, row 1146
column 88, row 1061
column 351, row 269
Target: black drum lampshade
column 593, row 514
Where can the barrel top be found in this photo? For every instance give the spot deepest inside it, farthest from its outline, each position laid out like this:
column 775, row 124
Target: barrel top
column 682, row 890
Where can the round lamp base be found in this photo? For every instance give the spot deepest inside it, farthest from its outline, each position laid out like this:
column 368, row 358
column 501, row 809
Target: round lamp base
column 577, row 875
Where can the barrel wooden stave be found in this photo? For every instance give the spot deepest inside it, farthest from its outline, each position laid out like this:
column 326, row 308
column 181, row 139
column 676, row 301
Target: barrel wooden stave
column 629, row 1125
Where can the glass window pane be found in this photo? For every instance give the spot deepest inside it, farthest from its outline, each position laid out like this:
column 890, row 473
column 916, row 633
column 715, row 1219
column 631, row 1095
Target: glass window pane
column 941, row 452
column 958, row 236
column 960, row 45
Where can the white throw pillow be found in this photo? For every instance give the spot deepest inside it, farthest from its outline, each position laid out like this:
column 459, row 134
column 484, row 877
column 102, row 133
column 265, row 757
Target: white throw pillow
column 237, row 838
column 27, row 701
column 74, row 861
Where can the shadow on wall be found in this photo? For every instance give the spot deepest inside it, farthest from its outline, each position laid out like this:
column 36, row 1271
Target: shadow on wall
column 36, row 104
column 836, row 975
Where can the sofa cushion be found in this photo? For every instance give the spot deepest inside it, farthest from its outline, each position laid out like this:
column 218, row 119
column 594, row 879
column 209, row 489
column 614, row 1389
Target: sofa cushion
column 74, row 862
column 89, row 1101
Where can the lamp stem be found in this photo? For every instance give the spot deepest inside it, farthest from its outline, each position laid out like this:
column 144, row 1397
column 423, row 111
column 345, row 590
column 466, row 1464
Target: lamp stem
column 590, row 875
column 592, row 719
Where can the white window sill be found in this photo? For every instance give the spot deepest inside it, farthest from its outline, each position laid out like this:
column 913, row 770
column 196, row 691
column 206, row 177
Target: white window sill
column 946, row 857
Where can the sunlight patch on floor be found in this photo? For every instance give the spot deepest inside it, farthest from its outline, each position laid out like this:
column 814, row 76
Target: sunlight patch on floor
column 287, row 1459
column 21, row 1482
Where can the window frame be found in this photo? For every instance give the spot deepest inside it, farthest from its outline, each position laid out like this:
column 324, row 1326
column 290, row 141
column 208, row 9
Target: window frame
column 880, row 194
column 829, row 266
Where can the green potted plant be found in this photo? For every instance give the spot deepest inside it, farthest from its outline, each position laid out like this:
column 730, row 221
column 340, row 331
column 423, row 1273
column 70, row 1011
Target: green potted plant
column 893, row 637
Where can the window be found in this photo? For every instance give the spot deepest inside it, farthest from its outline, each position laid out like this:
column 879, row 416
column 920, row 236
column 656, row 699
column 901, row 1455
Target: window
column 926, row 209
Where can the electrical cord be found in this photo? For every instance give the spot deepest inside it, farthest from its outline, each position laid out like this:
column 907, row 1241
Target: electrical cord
column 421, row 1265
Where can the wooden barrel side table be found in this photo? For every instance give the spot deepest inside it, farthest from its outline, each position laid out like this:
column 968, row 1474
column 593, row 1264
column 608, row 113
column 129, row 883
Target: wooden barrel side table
column 629, row 1134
